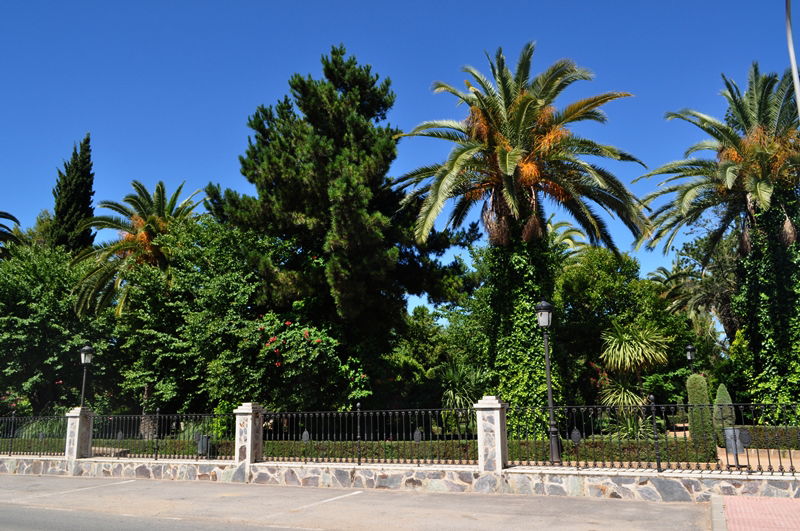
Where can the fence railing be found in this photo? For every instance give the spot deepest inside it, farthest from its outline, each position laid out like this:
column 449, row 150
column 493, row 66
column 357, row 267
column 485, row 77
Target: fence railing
column 176, row 436
column 745, row 437
column 750, row 438
column 441, row 436
column 39, row 436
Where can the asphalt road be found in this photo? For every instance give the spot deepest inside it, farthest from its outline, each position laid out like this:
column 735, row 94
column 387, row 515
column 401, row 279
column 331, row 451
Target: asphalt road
column 53, row 503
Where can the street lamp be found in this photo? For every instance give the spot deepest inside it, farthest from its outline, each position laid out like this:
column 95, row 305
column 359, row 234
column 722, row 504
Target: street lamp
column 544, row 317
column 690, row 350
column 86, row 359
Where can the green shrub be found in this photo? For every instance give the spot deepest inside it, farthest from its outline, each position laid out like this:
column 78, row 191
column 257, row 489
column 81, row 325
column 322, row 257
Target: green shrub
column 33, row 446
column 455, row 451
column 679, row 417
column 167, row 448
column 724, row 414
column 605, row 449
column 701, row 426
column 773, row 437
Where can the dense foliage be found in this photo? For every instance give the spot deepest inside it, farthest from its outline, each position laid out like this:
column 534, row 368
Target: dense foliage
column 319, row 163
column 297, row 296
column 749, row 190
column 600, row 293
column 39, row 331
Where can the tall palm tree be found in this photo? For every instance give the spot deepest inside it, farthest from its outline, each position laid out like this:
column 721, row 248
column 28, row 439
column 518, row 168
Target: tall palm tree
column 142, row 217
column 6, row 235
column 756, row 159
column 514, row 150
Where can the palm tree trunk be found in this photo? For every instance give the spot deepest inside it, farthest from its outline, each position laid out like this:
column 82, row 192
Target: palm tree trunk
column 792, row 60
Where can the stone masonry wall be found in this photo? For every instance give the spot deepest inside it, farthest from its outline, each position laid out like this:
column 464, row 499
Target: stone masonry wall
column 670, row 487
column 128, row 468
column 640, row 485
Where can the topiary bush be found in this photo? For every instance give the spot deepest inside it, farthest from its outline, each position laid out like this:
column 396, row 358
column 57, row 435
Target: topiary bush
column 724, row 414
column 701, row 427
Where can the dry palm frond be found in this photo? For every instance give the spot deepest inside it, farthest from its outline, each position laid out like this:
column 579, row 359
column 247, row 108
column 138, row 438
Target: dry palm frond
column 477, row 124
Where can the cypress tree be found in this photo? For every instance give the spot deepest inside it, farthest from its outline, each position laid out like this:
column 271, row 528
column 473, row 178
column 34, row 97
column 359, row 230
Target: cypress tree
column 701, row 425
column 73, row 200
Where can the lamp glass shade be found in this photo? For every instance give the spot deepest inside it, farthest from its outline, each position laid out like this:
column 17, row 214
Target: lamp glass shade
column 544, row 314
column 690, row 352
column 86, row 355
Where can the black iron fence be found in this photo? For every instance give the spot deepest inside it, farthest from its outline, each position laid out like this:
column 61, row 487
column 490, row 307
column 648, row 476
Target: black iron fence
column 440, row 436
column 175, row 436
column 38, row 436
column 746, row 437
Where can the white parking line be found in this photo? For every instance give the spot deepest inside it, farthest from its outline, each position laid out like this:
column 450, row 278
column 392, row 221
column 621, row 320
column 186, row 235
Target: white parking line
column 57, row 493
column 328, row 500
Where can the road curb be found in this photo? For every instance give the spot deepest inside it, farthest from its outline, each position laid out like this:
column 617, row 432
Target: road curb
column 718, row 513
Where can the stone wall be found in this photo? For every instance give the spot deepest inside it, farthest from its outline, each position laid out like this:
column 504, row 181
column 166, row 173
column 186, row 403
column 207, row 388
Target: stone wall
column 223, row 471
column 667, row 486
column 684, row 486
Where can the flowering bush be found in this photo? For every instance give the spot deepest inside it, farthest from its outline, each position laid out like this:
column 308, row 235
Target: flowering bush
column 286, row 365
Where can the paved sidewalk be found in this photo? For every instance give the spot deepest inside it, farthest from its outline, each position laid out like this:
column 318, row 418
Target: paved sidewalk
column 152, row 505
column 745, row 513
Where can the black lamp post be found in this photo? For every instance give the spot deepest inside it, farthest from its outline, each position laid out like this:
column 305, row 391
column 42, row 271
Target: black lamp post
column 86, row 359
column 690, row 356
column 544, row 316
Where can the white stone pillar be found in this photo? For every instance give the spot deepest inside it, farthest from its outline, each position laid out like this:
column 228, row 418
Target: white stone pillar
column 249, row 432
column 492, row 434
column 79, row 433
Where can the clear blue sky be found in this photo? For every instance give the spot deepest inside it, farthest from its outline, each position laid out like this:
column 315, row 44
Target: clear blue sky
column 165, row 88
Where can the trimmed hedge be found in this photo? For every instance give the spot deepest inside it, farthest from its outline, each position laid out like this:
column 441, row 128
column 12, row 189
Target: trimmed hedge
column 701, row 425
column 773, row 437
column 724, row 414
column 455, row 451
column 33, row 445
column 606, row 449
column 176, row 448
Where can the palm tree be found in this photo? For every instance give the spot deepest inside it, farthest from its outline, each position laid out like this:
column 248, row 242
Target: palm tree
column 142, row 217
column 627, row 351
column 703, row 292
column 568, row 238
column 6, row 234
column 756, row 161
column 514, row 150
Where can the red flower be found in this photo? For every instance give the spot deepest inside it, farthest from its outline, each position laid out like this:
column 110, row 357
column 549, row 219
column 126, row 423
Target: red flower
column 277, row 351
column 272, row 339
column 59, row 382
column 287, row 323
column 277, row 364
column 317, row 341
column 261, row 328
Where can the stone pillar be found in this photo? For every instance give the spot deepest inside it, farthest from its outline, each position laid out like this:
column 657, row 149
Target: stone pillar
column 79, row 433
column 492, row 435
column 249, row 432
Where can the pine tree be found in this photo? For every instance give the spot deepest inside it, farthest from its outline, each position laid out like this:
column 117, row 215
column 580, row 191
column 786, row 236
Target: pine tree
column 73, row 201
column 319, row 161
